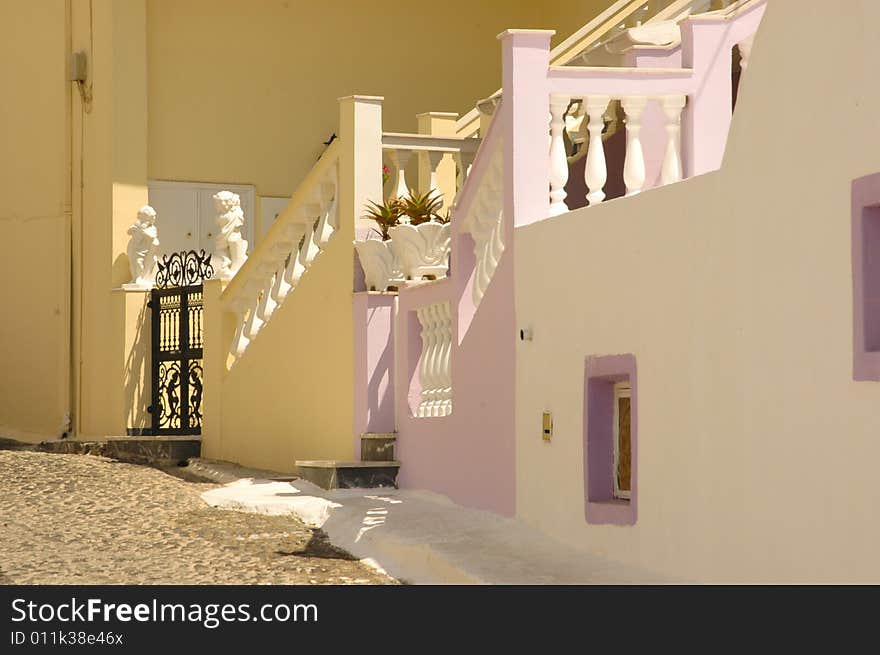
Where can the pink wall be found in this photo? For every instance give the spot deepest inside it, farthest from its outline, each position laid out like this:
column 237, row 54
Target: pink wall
column 470, row 454
column 373, row 363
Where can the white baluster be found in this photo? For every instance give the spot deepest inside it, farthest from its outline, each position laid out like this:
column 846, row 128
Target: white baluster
column 267, row 302
column 284, row 250
column 634, row 165
column 329, row 200
column 558, row 159
column 745, row 51
column 399, row 159
column 239, row 340
column 424, row 321
column 281, row 287
column 445, row 360
column 295, row 267
column 463, row 162
column 431, row 368
column 672, row 106
column 434, row 159
column 595, row 168
column 254, row 322
column 313, row 213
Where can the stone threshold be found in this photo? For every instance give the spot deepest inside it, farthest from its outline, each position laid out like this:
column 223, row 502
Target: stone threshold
column 333, row 463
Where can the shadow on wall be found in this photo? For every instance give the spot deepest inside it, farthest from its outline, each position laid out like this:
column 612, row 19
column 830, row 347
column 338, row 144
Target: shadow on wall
column 137, row 374
column 379, row 385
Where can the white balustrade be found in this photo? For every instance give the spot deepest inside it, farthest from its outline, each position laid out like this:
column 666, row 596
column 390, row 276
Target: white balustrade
column 558, row 159
column 595, row 108
column 672, row 106
column 595, row 169
column 279, row 263
column 435, row 374
column 431, row 149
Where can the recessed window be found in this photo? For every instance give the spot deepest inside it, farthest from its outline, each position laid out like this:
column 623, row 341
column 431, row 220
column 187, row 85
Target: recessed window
column 866, row 277
column 610, row 439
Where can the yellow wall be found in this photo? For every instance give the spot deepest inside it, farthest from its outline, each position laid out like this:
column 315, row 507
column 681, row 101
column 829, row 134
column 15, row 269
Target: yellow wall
column 246, row 91
column 236, row 92
column 290, row 396
column 756, row 449
column 110, row 140
column 34, row 219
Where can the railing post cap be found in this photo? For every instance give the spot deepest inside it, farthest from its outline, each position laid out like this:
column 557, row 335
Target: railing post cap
column 527, row 35
column 439, row 114
column 373, row 100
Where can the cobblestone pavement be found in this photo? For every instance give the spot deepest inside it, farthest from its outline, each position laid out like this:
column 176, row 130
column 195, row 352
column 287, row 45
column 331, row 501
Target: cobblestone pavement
column 79, row 519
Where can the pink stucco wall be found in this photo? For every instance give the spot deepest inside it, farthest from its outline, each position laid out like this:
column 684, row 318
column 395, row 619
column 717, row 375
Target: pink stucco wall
column 468, row 455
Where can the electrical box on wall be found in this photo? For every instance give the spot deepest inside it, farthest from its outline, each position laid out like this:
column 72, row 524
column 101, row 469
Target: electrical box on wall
column 78, row 67
column 547, row 431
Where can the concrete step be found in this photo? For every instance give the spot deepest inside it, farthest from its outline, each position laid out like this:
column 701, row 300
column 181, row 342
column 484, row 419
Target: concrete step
column 378, row 446
column 155, row 451
column 336, row 474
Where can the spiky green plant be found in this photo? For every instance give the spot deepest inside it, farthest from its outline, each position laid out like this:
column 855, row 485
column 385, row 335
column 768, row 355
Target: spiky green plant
column 386, row 215
column 421, row 207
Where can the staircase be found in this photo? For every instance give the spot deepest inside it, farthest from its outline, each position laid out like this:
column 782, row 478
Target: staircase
column 376, row 468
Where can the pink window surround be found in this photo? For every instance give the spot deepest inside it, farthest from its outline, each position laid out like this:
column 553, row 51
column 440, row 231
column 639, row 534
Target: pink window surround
column 866, row 277
column 600, row 376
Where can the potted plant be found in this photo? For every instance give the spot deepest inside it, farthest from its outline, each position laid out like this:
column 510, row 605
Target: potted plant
column 381, row 270
column 413, row 240
column 422, row 243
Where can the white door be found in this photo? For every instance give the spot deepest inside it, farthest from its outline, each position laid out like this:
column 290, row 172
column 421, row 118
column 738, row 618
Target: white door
column 186, row 214
column 176, row 218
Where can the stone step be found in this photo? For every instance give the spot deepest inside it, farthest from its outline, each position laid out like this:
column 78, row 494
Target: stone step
column 337, row 474
column 378, row 446
column 154, row 451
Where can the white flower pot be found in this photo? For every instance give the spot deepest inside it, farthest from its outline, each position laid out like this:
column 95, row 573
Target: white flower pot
column 422, row 250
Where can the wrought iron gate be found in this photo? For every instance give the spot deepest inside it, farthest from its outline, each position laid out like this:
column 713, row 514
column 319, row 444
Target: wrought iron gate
column 176, row 304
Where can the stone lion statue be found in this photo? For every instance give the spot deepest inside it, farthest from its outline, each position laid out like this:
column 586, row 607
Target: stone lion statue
column 230, row 248
column 143, row 247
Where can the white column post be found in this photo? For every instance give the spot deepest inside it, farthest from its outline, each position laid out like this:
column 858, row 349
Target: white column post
column 558, row 159
column 634, row 165
column 434, row 159
column 672, row 106
column 436, row 171
column 360, row 163
column 400, row 158
column 595, row 168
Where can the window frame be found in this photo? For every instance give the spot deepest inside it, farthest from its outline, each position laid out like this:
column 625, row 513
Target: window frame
column 621, row 390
